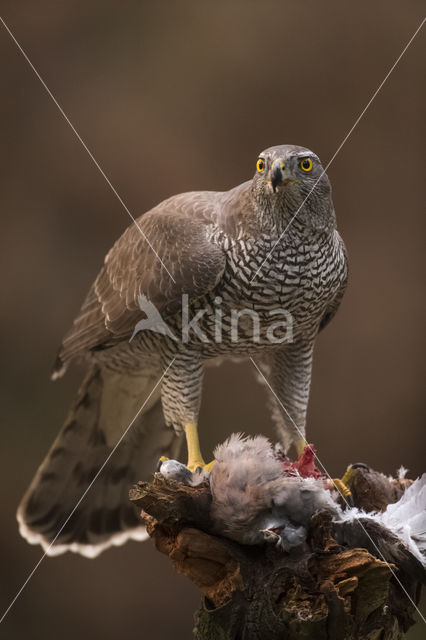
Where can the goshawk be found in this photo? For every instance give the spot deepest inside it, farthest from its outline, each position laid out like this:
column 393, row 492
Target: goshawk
column 255, row 271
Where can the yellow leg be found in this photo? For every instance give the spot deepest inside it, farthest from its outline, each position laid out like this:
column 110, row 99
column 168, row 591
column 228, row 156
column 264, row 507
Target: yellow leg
column 300, row 445
column 195, row 459
column 342, row 486
column 349, row 473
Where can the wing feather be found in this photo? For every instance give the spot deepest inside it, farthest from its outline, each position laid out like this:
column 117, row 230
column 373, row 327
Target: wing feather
column 178, row 230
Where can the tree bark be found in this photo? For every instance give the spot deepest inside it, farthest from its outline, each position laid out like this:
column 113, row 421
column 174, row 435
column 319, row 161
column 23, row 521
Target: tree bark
column 319, row 591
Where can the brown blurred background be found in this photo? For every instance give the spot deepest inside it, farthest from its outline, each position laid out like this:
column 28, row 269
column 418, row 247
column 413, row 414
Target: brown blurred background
column 175, row 96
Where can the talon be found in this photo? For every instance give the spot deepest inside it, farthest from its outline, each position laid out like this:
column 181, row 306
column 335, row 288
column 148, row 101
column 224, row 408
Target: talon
column 199, row 466
column 160, row 462
column 359, row 465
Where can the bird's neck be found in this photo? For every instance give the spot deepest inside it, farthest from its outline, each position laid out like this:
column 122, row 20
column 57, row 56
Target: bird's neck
column 313, row 217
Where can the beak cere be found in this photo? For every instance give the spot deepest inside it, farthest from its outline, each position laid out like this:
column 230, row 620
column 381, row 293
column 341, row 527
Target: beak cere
column 277, row 174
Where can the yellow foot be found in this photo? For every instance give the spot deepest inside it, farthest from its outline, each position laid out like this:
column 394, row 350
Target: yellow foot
column 343, row 489
column 195, row 459
column 208, row 466
column 349, row 474
column 199, row 465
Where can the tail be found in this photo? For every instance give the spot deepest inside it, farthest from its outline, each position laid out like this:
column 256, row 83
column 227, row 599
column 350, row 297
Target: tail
column 78, row 500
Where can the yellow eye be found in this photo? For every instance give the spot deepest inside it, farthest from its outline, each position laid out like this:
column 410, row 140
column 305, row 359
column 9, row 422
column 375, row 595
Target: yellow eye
column 306, row 164
column 260, row 165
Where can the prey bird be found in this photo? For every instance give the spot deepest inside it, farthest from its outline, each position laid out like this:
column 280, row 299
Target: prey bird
column 258, row 498
column 204, row 260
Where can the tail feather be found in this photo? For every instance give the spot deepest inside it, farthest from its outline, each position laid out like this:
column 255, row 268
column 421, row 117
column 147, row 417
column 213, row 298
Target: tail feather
column 71, row 479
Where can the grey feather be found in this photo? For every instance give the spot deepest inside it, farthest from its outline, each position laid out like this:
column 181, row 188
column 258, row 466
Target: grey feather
column 251, row 494
column 253, row 502
column 174, row 470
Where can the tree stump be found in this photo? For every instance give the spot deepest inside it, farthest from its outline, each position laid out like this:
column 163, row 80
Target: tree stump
column 319, row 591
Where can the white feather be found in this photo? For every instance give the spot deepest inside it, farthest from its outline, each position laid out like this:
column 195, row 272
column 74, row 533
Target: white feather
column 86, row 550
column 406, row 518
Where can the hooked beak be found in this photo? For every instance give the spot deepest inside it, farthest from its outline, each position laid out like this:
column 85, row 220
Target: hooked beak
column 279, row 175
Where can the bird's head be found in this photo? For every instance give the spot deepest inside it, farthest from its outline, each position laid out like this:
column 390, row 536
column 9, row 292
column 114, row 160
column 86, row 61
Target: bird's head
column 289, row 177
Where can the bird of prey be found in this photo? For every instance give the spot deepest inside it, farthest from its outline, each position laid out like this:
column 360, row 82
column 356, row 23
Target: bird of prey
column 204, row 260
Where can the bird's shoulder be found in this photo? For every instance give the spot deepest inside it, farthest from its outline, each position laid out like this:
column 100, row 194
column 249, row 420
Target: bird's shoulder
column 200, row 208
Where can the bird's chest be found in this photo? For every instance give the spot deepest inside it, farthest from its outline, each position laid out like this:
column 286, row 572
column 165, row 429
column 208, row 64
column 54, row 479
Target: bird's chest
column 300, row 278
